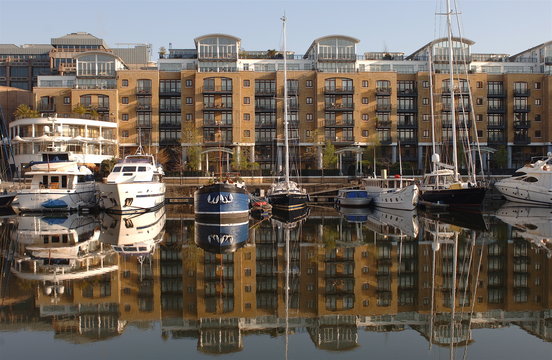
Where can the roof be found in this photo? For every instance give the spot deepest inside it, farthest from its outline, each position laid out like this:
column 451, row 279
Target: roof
column 199, row 38
column 531, row 49
column 454, row 38
column 136, row 55
column 315, row 41
column 78, row 38
column 30, row 49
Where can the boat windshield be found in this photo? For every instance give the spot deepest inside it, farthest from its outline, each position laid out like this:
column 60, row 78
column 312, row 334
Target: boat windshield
column 356, row 194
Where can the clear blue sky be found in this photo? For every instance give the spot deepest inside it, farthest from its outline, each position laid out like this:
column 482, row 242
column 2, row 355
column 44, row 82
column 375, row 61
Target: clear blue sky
column 498, row 26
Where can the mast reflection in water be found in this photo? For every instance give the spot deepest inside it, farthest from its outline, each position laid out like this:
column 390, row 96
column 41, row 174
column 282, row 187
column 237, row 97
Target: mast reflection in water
column 335, row 281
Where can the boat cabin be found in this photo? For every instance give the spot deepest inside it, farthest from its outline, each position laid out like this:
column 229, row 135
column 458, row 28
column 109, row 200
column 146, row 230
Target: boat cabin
column 135, row 168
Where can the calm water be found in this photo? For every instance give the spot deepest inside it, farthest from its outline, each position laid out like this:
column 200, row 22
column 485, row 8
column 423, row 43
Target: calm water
column 359, row 284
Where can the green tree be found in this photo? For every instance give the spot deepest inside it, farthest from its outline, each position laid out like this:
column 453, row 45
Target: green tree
column 80, row 110
column 106, row 166
column 329, row 157
column 500, row 157
column 193, row 138
column 23, row 111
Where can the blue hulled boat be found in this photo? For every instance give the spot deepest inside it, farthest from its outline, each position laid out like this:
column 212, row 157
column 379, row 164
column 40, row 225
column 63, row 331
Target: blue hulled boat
column 222, row 201
column 221, row 238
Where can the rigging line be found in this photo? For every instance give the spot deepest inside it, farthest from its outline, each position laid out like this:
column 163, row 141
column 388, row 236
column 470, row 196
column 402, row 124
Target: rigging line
column 467, row 277
column 470, row 95
column 476, row 281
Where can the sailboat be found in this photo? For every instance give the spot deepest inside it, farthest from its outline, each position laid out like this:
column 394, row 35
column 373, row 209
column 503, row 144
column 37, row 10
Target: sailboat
column 443, row 185
column 286, row 195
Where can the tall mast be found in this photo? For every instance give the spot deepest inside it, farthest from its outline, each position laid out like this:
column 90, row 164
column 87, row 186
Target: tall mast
column 451, row 85
column 286, row 141
column 432, row 106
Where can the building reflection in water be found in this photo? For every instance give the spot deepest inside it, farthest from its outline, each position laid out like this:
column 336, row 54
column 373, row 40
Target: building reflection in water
column 88, row 277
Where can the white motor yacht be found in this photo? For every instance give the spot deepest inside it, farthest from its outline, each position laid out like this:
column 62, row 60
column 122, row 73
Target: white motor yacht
column 133, row 186
column 393, row 193
column 531, row 184
column 58, row 185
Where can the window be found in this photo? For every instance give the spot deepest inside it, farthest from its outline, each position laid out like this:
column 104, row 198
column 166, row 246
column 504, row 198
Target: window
column 365, row 133
column 124, row 83
column 479, row 117
column 365, row 117
column 538, row 133
column 308, row 133
column 309, row 100
column 425, row 133
column 308, row 83
column 537, row 85
column 246, row 133
column 425, row 117
column 124, row 117
column 537, row 101
column 189, row 117
column 537, row 117
column 479, row 101
column 365, row 100
column 425, row 84
column 364, row 83
column 67, row 100
column 479, row 133
column 309, row 117
column 425, row 101
column 247, row 117
column 247, row 100
column 189, row 83
column 124, row 133
column 189, row 101
column 246, row 83
column 124, row 100
column 479, row 84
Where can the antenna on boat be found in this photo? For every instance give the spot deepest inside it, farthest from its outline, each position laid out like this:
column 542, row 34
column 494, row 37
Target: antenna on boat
column 139, row 150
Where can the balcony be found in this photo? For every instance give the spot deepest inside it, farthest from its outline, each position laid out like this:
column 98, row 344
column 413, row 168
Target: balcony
column 334, row 123
column 386, row 140
column 265, row 124
column 219, row 107
column 144, row 124
column 496, row 125
column 496, row 140
column 496, row 93
column 348, row 90
column 292, row 91
column 448, row 107
column 293, row 106
column 143, row 91
column 522, row 92
column 213, row 123
column 548, row 60
column 461, row 90
column 407, row 109
column 293, row 124
column 337, row 57
column 383, row 124
column 169, row 92
column 459, row 124
column 340, row 107
column 216, row 90
column 383, row 107
column 522, row 108
column 522, row 124
column 143, row 107
column 265, row 108
column 522, row 140
column 265, row 92
column 408, row 141
column 407, row 92
column 407, row 124
column 169, row 109
column 383, row 91
column 496, row 109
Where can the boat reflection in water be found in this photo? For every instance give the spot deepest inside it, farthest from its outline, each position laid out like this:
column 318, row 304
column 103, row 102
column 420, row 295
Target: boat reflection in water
column 532, row 223
column 134, row 235
column 221, row 238
column 59, row 247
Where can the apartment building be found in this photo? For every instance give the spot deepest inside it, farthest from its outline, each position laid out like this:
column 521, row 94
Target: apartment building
column 219, row 96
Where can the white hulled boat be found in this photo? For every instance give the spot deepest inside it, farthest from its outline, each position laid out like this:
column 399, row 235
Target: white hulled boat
column 530, row 184
column 352, row 197
column 394, row 193
column 134, row 185
column 58, row 185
